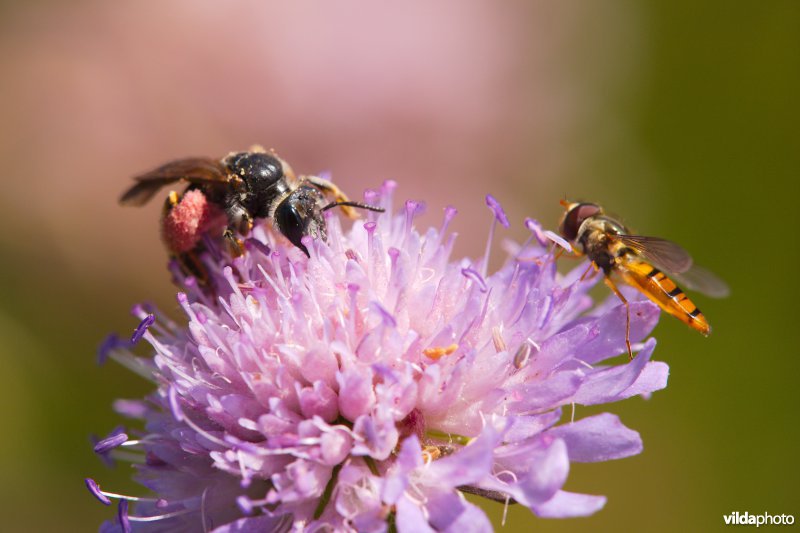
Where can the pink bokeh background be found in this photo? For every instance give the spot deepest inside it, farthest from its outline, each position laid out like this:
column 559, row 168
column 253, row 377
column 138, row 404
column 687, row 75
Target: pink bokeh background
column 453, row 100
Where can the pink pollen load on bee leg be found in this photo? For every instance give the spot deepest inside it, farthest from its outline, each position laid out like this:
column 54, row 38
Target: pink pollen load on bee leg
column 183, row 226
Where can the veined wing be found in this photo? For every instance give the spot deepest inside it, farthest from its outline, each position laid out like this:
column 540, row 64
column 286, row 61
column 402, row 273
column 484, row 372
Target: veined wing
column 664, row 254
column 703, row 281
column 197, row 170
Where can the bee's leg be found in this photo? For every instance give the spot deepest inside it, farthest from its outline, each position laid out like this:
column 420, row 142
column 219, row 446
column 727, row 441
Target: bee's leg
column 235, row 244
column 173, row 199
column 243, row 224
column 192, row 266
column 614, row 288
column 329, row 188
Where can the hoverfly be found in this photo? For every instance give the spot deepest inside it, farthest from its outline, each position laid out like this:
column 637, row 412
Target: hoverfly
column 648, row 264
column 229, row 194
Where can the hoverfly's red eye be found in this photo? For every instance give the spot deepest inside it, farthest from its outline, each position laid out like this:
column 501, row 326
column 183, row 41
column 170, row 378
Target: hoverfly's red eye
column 575, row 217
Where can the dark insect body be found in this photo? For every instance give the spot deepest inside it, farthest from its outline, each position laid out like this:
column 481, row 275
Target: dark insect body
column 229, row 194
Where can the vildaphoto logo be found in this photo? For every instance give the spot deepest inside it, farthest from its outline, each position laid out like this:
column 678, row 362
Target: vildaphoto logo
column 765, row 519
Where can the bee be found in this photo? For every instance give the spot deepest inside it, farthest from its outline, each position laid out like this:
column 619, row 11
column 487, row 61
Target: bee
column 649, row 264
column 229, row 194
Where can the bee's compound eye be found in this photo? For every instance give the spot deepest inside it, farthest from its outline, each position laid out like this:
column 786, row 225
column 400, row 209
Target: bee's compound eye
column 291, row 224
column 575, row 217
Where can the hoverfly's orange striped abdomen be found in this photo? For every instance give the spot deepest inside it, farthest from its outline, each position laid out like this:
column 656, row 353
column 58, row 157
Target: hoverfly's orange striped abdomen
column 664, row 292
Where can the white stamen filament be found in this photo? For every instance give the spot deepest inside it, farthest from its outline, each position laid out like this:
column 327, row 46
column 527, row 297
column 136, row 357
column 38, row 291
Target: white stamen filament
column 205, row 433
column 505, row 511
column 133, row 363
column 156, row 518
column 203, row 510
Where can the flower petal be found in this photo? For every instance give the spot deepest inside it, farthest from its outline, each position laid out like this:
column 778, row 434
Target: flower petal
column 467, row 466
column 609, row 384
column 547, row 473
column 410, row 518
column 598, row 438
column 257, row 524
column 451, row 512
column 409, row 458
column 569, row 505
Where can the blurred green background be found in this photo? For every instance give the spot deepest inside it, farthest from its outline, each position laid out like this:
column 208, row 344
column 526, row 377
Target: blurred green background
column 681, row 116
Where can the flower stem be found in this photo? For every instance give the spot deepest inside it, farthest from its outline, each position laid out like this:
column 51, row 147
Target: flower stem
column 372, row 465
column 326, row 496
column 391, row 522
column 449, row 437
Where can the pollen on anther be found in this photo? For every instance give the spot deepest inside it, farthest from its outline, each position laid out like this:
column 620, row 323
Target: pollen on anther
column 437, row 352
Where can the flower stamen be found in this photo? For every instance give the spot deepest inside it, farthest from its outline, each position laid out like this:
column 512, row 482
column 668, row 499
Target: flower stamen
column 497, row 339
column 523, row 354
column 141, row 329
column 109, row 443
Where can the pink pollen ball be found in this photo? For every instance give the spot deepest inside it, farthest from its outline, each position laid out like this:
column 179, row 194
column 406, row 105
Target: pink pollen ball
column 184, row 225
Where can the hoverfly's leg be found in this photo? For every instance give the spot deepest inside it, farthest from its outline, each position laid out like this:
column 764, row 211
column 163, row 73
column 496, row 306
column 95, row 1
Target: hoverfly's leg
column 329, row 188
column 561, row 252
column 593, row 269
column 614, row 288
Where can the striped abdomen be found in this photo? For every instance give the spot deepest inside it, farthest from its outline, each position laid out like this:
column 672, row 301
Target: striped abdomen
column 664, row 292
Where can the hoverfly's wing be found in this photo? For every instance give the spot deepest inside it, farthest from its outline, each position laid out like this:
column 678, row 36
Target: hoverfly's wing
column 664, row 254
column 703, row 281
column 197, row 170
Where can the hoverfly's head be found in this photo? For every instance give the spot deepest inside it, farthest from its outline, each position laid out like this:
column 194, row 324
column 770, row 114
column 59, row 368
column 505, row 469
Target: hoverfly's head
column 574, row 216
column 300, row 214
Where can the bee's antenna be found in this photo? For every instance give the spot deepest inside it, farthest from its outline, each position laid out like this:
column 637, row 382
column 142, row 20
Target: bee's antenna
column 354, row 204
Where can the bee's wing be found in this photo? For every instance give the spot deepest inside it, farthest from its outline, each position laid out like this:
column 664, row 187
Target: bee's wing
column 194, row 170
column 664, row 254
column 701, row 280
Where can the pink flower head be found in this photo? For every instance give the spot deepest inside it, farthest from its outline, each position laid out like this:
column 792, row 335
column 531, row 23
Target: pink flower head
column 373, row 383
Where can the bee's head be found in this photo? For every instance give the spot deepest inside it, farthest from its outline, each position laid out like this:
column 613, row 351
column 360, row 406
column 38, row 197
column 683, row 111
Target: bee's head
column 300, row 214
column 574, row 216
